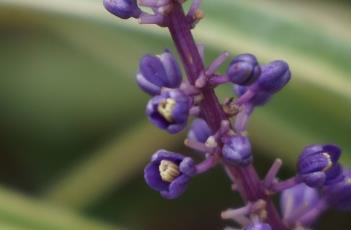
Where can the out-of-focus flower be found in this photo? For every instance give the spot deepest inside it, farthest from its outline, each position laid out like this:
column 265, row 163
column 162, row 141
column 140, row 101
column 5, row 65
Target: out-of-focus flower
column 317, row 165
column 339, row 195
column 294, row 201
column 258, row 226
column 169, row 173
column 156, row 72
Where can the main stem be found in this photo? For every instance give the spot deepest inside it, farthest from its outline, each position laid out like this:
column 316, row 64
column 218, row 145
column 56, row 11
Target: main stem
column 249, row 184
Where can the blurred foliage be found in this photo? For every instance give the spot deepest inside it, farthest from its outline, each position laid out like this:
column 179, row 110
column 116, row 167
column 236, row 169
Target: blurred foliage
column 73, row 129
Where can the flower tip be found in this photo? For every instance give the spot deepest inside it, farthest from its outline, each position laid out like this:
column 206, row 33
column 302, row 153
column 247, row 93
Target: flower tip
column 244, row 69
column 237, row 151
column 122, row 8
column 274, row 76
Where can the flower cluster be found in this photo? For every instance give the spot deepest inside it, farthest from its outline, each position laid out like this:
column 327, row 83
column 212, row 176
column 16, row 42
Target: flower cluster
column 219, row 129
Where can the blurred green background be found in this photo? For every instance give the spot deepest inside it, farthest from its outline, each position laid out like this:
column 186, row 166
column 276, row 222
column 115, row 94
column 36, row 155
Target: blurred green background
column 74, row 139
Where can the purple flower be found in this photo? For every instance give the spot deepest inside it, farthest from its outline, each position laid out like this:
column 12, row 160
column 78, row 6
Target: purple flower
column 258, row 226
column 237, row 150
column 169, row 110
column 317, row 165
column 244, row 69
column 294, row 201
column 338, row 195
column 169, row 173
column 274, row 77
column 260, row 97
column 158, row 71
column 123, row 8
column 199, row 131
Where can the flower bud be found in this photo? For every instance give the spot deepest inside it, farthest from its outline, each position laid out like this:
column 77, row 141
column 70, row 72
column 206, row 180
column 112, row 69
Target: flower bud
column 169, row 110
column 158, row 71
column 244, row 69
column 123, row 8
column 169, row 173
column 199, row 131
column 237, row 151
column 274, row 77
column 317, row 165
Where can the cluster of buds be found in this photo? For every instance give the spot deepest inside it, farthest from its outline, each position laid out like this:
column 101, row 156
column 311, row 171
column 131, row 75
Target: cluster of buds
column 219, row 130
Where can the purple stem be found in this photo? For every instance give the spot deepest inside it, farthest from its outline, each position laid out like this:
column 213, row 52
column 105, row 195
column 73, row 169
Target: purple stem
column 280, row 186
column 250, row 186
column 207, row 164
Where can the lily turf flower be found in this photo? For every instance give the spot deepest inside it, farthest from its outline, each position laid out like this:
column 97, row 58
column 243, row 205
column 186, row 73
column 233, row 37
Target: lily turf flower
column 199, row 131
column 156, row 72
column 169, row 173
column 295, row 201
column 169, row 110
column 123, row 8
column 237, row 150
column 244, row 69
column 339, row 195
column 318, row 165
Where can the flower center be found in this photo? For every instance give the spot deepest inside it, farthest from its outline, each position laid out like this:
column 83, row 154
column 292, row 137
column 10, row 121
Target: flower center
column 165, row 108
column 330, row 163
column 168, row 170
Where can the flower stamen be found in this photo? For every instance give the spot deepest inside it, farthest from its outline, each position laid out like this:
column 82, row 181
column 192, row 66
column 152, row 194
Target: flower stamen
column 168, row 170
column 165, row 108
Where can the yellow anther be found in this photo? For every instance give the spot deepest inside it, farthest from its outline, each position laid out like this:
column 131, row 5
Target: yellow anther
column 165, row 108
column 348, row 180
column 330, row 163
column 168, row 170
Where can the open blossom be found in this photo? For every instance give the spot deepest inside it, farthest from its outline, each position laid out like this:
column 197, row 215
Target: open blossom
column 158, row 71
column 169, row 110
column 169, row 173
column 318, row 165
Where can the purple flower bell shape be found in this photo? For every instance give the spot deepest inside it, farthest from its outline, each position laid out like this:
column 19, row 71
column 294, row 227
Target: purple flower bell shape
column 318, row 165
column 237, row 151
column 199, row 131
column 156, row 72
column 123, row 8
column 244, row 69
column 295, row 200
column 169, row 110
column 169, row 173
column 338, row 195
column 258, row 226
column 274, row 77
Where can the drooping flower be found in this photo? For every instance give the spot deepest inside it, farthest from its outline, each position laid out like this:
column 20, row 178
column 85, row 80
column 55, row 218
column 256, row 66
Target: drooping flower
column 318, row 165
column 338, row 195
column 169, row 110
column 123, row 8
column 244, row 69
column 156, row 72
column 199, row 131
column 237, row 150
column 169, row 173
column 295, row 201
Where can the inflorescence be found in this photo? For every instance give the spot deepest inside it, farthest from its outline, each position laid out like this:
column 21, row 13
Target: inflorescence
column 219, row 132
